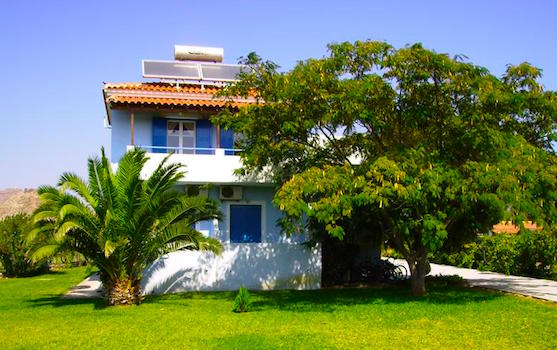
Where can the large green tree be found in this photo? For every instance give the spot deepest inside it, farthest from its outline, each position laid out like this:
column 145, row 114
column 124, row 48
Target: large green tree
column 429, row 148
column 119, row 221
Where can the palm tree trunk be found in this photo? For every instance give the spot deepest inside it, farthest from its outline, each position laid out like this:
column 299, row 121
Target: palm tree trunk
column 123, row 291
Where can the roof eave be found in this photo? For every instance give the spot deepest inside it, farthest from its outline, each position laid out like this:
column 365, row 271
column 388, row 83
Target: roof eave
column 106, row 107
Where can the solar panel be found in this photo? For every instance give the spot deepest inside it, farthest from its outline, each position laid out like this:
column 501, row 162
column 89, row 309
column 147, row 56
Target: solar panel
column 220, row 72
column 170, row 70
column 191, row 71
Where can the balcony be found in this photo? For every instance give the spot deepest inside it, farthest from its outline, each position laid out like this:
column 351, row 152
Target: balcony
column 201, row 165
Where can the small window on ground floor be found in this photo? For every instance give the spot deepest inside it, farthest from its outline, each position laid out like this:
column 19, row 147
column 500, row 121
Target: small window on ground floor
column 245, row 223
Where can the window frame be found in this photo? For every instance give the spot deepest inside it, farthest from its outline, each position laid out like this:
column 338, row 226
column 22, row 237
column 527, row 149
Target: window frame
column 181, row 135
column 263, row 217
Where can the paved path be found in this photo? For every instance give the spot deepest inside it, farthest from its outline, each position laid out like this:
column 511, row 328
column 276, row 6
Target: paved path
column 91, row 287
column 532, row 287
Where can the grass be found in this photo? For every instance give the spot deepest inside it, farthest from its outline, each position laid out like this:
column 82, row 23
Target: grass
column 33, row 316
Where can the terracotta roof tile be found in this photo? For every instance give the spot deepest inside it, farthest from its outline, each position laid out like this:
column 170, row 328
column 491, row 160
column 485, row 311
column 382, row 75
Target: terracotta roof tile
column 169, row 95
column 510, row 228
column 173, row 102
column 165, row 87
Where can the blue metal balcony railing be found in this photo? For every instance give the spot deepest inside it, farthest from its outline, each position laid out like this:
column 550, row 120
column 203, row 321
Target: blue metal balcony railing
column 190, row 150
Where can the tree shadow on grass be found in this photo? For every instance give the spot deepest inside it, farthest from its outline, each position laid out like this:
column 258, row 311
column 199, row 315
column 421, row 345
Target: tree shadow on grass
column 321, row 300
column 100, row 303
column 440, row 291
column 61, row 301
column 331, row 299
column 51, row 272
column 34, row 275
column 178, row 298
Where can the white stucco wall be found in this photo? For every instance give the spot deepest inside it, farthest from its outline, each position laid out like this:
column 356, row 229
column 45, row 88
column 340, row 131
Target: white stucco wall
column 258, row 266
column 204, row 168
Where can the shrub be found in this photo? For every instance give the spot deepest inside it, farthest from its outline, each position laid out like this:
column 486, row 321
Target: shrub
column 68, row 259
column 529, row 253
column 242, row 302
column 13, row 249
column 537, row 254
column 446, row 281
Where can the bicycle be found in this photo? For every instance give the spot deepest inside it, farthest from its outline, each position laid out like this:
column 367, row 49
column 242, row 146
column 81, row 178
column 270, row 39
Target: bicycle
column 381, row 270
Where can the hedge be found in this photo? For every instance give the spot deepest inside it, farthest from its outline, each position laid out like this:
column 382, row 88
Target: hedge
column 532, row 254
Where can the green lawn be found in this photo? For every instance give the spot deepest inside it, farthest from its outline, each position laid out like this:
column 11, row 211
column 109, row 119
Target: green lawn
column 33, row 316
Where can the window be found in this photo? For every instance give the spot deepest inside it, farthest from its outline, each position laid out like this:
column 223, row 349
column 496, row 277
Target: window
column 245, row 223
column 181, row 134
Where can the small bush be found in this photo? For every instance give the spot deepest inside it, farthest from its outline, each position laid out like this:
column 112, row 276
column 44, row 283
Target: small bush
column 68, row 259
column 446, row 281
column 13, row 249
column 242, row 302
column 529, row 253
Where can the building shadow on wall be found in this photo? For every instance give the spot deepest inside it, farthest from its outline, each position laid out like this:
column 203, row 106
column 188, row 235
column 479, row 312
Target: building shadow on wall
column 257, row 266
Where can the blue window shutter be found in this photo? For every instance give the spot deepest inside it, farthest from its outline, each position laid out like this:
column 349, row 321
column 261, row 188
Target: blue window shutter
column 159, row 134
column 245, row 223
column 227, row 140
column 203, row 136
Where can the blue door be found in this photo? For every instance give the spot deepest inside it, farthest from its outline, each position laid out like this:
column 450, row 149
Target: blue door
column 245, row 223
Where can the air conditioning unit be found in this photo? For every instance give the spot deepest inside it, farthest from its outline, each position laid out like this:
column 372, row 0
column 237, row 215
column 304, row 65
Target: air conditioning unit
column 231, row 193
column 196, row 190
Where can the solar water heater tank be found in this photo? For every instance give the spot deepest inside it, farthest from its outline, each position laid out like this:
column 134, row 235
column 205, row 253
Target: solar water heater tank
column 198, row 53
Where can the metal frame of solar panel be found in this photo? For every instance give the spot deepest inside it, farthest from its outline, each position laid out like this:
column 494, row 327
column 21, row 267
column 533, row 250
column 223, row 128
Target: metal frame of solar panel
column 191, row 71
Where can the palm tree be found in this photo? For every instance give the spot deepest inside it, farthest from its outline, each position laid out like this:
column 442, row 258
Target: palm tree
column 119, row 221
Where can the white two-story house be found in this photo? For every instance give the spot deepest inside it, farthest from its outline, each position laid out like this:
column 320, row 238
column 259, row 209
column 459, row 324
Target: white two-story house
column 172, row 114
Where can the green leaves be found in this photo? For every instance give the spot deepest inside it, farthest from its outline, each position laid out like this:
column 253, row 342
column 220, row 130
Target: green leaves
column 45, row 250
column 434, row 231
column 64, row 228
column 111, row 246
column 14, row 260
column 427, row 147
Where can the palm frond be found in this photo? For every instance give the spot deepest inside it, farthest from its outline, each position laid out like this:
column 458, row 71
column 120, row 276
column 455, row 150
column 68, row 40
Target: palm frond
column 194, row 242
column 73, row 209
column 35, row 233
column 93, row 166
column 66, row 227
column 109, row 187
column 45, row 191
column 70, row 181
column 191, row 209
column 111, row 246
column 45, row 215
column 182, row 236
column 165, row 177
column 128, row 181
column 45, row 251
column 210, row 244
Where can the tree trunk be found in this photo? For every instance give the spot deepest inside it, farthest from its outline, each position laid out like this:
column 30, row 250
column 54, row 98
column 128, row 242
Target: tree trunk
column 123, row 292
column 418, row 271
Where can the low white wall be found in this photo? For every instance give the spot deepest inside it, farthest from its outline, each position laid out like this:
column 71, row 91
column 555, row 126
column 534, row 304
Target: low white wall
column 215, row 168
column 255, row 265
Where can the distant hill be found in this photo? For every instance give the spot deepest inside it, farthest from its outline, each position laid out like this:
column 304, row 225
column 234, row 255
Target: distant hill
column 14, row 201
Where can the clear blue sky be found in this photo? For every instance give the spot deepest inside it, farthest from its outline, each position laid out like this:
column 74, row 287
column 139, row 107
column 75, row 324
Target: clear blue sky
column 54, row 55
